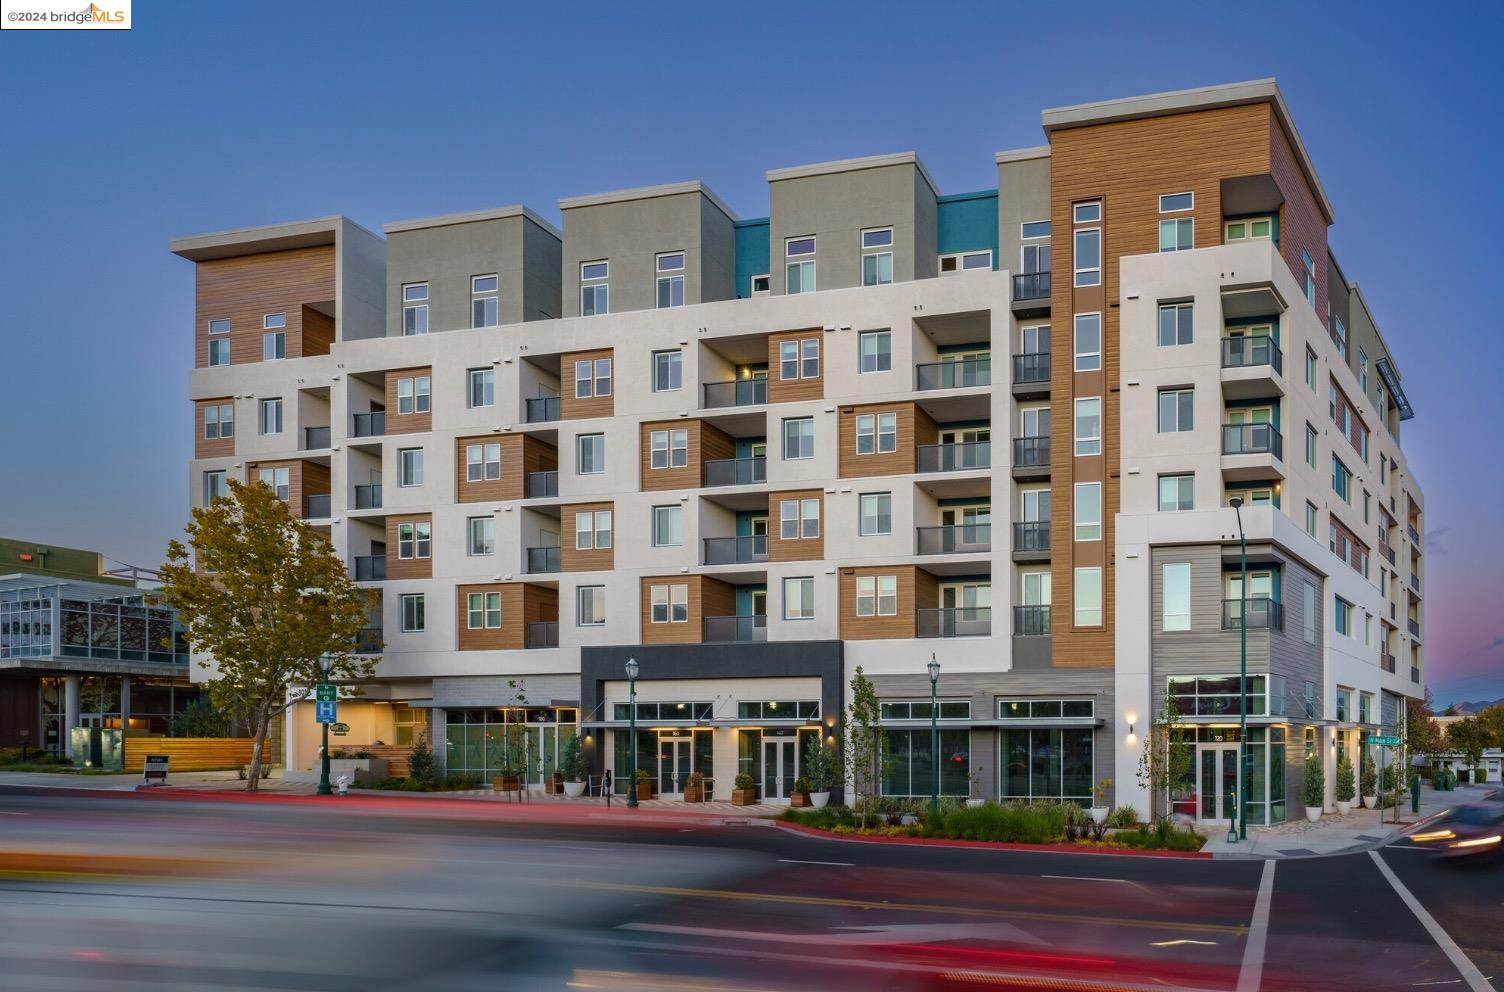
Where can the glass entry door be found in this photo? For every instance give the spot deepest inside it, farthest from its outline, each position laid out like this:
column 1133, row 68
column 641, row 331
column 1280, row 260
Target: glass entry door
column 675, row 762
column 1216, row 782
column 780, row 767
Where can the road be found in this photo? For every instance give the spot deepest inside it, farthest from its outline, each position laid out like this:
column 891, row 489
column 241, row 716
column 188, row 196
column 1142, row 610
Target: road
column 119, row 892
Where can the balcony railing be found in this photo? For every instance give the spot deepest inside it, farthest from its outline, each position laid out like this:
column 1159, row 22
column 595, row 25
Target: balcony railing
column 1415, row 673
column 369, row 640
column 542, row 485
column 1387, row 662
column 1031, row 452
column 315, row 438
column 954, row 621
column 1263, row 613
column 371, row 424
column 368, row 497
column 1251, row 350
column 956, row 457
column 1032, row 367
column 370, row 568
column 1031, row 621
column 735, row 550
column 317, row 505
column 1387, row 552
column 543, row 560
column 1414, row 534
column 1415, row 582
column 953, row 374
column 753, row 628
column 736, row 392
column 1414, row 626
column 542, row 409
column 952, row 539
column 1031, row 535
column 735, row 471
column 1252, row 439
column 542, row 634
column 1031, row 286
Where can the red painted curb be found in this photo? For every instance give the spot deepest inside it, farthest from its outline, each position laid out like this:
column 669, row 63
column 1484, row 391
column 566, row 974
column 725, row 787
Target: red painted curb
column 974, row 845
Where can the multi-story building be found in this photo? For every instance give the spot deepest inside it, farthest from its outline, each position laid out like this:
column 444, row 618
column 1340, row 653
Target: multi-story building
column 755, row 455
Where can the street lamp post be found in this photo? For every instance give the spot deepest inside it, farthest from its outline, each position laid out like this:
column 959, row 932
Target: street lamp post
column 1243, row 752
column 325, row 663
column 934, row 667
column 632, row 670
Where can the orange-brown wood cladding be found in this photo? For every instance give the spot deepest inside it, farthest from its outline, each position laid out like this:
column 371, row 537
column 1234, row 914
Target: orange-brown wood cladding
column 522, row 603
column 221, row 447
column 705, row 441
column 520, row 455
column 408, row 423
column 707, row 598
column 572, row 407
column 318, row 332
column 801, row 549
column 244, row 290
column 315, row 482
column 914, row 428
column 304, row 479
column 795, row 390
column 573, row 559
column 407, row 568
column 901, row 625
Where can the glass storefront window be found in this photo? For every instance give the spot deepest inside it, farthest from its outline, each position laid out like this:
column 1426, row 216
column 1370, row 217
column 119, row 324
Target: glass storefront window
column 1049, row 764
column 482, row 741
column 913, row 766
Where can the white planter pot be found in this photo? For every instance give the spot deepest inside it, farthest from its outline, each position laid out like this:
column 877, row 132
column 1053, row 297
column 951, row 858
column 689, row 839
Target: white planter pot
column 574, row 790
column 974, row 803
column 1344, row 806
column 819, row 799
column 1371, row 802
column 1099, row 813
column 1313, row 813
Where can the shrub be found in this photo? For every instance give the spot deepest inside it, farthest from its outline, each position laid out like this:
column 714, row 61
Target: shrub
column 420, row 764
column 573, row 761
column 1163, row 836
column 1345, row 787
column 1123, row 816
column 801, row 784
column 1387, row 778
column 643, row 776
column 745, row 781
column 827, row 818
column 1019, row 823
column 1366, row 777
column 1313, row 786
column 823, row 767
column 696, row 780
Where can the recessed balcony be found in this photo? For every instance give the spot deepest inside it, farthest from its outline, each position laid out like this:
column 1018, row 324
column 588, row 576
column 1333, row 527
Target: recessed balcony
column 735, row 629
column 956, row 456
column 315, row 438
column 735, row 471
column 371, row 424
column 370, row 568
column 541, row 634
column 735, row 550
column 1031, row 621
column 957, row 374
column 316, row 506
column 369, row 640
column 1031, row 540
column 1031, row 294
column 541, row 560
column 953, row 539
column 368, row 497
column 542, row 409
column 1252, row 452
column 1031, row 375
column 1263, row 614
column 735, row 392
column 1031, row 457
column 542, row 485
column 954, row 621
column 1252, row 367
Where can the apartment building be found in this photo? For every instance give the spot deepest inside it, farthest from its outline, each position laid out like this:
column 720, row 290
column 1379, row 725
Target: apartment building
column 754, row 455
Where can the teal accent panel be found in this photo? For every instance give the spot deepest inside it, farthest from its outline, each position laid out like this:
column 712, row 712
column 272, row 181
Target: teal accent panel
column 744, row 445
column 1273, row 405
column 744, row 599
column 966, row 222
column 744, row 521
column 752, row 254
column 958, row 425
column 951, row 349
column 1272, row 484
column 955, row 580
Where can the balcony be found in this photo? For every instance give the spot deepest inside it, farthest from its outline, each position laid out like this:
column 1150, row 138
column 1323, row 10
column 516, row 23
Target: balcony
column 543, row 560
column 370, row 568
column 1252, row 452
column 368, row 497
column 1031, row 375
column 1414, row 627
column 735, row 471
column 1415, row 584
column 315, row 438
column 1031, row 621
column 542, row 485
column 735, row 550
column 542, row 634
column 542, row 409
column 371, row 424
column 1031, row 540
column 725, row 629
column 961, row 456
column 1415, row 674
column 1263, row 614
column 1387, row 662
column 1252, row 367
column 954, row 621
column 1414, row 535
column 735, row 392
column 369, row 640
column 953, row 539
column 1387, row 552
column 953, row 375
column 1031, row 457
column 316, row 506
column 1031, row 294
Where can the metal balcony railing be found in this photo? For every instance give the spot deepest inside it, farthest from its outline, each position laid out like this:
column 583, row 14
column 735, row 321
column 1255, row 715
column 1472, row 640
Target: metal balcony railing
column 1031, row 452
column 542, row 409
column 1031, row 621
column 1031, row 535
column 735, row 550
column 1263, row 614
column 371, row 424
column 542, row 485
column 1031, row 286
column 736, row 392
column 1251, row 350
column 317, row 506
column 369, row 640
column 754, row 628
column 953, row 374
column 543, row 560
column 1031, row 367
column 1387, row 662
column 1414, row 627
column 952, row 539
column 1414, row 582
column 1387, row 552
column 956, row 621
column 1252, row 439
column 1415, row 673
column 315, row 438
column 959, row 456
column 542, row 634
column 368, row 497
column 370, row 568
column 1414, row 534
column 735, row 471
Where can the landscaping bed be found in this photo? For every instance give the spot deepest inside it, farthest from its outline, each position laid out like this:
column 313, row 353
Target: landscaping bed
column 453, row 783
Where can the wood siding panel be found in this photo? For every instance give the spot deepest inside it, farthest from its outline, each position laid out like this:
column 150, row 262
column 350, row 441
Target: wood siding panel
column 511, row 635
column 703, row 591
column 318, row 332
column 795, row 390
column 572, row 407
column 903, row 625
column 520, row 454
column 221, row 447
column 244, row 290
column 800, row 549
column 315, row 483
column 304, row 479
column 408, row 423
column 590, row 560
column 409, row 568
column 914, row 428
column 705, row 442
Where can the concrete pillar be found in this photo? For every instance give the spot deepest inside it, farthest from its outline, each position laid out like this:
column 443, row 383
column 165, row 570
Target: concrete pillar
column 70, row 712
column 125, row 704
column 437, row 726
column 290, row 720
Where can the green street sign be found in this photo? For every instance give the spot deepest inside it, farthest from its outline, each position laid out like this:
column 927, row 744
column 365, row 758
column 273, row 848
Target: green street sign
column 326, row 693
column 339, row 729
column 1384, row 741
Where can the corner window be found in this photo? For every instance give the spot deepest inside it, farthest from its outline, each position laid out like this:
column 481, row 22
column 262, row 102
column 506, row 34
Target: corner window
column 1088, row 342
column 480, row 388
column 590, row 608
column 798, row 438
column 670, row 269
column 800, row 265
column 590, row 454
column 1176, row 410
column 1176, row 493
column 1089, row 425
column 876, row 351
column 594, row 289
column 592, row 378
column 799, row 598
column 484, row 301
column 1088, row 511
column 668, row 370
column 415, row 308
column 877, row 256
column 413, row 619
column 1088, row 597
column 1174, row 324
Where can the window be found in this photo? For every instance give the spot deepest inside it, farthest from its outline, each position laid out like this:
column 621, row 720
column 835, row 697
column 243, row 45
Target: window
column 1089, row 256
column 668, row 526
column 877, row 595
column 1311, row 518
column 876, row 514
column 1088, row 511
column 799, row 599
column 415, row 308
column 1310, row 445
column 215, row 486
column 483, row 301
column 482, row 462
column 1173, row 203
column 668, row 370
column 1087, row 213
column 1174, row 324
column 909, row 762
column 1031, row 229
column 409, row 467
column 1088, row 342
column 798, row 519
column 220, row 326
column 1176, row 410
column 480, row 388
column 590, row 606
column 971, row 261
column 1089, row 425
column 1089, row 597
column 669, row 448
column 1365, row 707
column 1310, row 287
column 276, row 479
column 876, row 351
column 483, row 610
column 1176, row 235
column 590, row 454
column 412, row 613
column 271, row 416
column 273, row 346
column 592, row 378
column 799, row 359
column 219, row 420
column 1342, row 481
column 670, row 267
column 1308, row 608
column 798, row 438
column 482, row 532
column 1177, row 492
column 877, row 265
column 1342, row 616
column 592, row 530
column 1310, row 368
column 800, row 265
column 594, row 291
column 219, row 351
column 1175, row 596
column 669, row 603
column 414, row 540
column 413, row 394
column 761, row 284
column 1246, row 228
column 876, row 432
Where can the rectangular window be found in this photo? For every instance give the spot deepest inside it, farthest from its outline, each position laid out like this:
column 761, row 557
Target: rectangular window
column 1342, row 616
column 1311, row 445
column 483, row 610
column 413, row 620
column 220, row 326
column 415, row 308
column 1088, row 511
column 592, row 530
column 876, row 514
column 670, row 268
column 1088, row 598
column 594, row 290
column 414, row 540
column 592, row 378
column 798, row 438
column 1089, row 425
column 668, row 448
column 1310, row 287
column 668, row 370
column 409, row 467
column 975, row 261
column 480, row 388
column 876, row 351
column 1308, row 608
column 219, row 351
column 482, row 462
column 1088, row 342
column 215, row 486
column 1175, row 596
column 271, row 416
column 219, row 421
column 590, row 454
column 273, row 346
column 799, row 598
column 669, row 603
column 484, row 303
column 1176, row 410
column 1246, row 228
column 668, row 526
column 809, row 358
column 1174, row 324
column 877, row 595
column 799, row 519
column 590, row 608
column 1176, row 493
column 1310, row 368
column 274, row 322
column 809, row 519
column 876, row 433
column 1342, row 481
column 1087, row 213
column 1088, row 256
column 877, row 263
column 482, row 536
column 1362, row 370
column 1174, row 203
column 1311, row 518
column 414, row 394
column 1177, row 234
column 277, row 480
column 800, row 265
column 1030, row 229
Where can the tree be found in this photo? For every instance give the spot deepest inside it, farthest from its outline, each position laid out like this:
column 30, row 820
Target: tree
column 867, row 755
column 1420, row 734
column 1491, row 721
column 264, row 595
column 1469, row 738
column 1166, row 760
column 200, row 719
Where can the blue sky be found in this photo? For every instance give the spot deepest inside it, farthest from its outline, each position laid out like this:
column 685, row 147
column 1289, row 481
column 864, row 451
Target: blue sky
column 212, row 116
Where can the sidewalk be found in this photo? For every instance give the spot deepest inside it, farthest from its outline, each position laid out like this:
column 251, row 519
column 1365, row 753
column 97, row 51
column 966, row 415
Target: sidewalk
column 1359, row 830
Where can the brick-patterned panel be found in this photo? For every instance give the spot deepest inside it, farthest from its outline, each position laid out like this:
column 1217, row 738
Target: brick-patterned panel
column 855, row 628
column 246, row 289
column 221, row 447
column 572, row 407
column 802, row 549
column 1301, row 221
column 408, row 423
column 572, row 559
column 795, row 390
column 914, row 428
column 409, row 568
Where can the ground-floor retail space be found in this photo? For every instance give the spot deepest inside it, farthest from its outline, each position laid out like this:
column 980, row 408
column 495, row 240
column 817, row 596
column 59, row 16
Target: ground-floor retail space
column 89, row 715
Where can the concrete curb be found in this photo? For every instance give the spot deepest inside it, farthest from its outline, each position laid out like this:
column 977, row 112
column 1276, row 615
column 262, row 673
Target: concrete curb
column 977, row 845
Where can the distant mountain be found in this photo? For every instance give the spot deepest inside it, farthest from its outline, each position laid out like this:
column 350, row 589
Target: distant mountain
column 1468, row 709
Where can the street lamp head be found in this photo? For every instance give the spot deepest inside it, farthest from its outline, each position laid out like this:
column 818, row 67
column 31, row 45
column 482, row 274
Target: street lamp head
column 632, row 669
column 1235, row 502
column 934, row 667
column 326, row 662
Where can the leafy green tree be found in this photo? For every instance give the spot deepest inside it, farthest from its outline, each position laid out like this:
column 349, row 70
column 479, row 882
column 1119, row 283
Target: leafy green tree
column 265, row 596
column 1167, row 756
column 1491, row 721
column 1313, row 785
column 1470, row 738
column 200, row 719
column 868, row 758
column 1345, row 786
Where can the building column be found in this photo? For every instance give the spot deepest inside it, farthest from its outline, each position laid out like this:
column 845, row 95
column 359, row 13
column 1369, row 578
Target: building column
column 125, row 705
column 70, row 712
column 1133, row 670
column 437, row 727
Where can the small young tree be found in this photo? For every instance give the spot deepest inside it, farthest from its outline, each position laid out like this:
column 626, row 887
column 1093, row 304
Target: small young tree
column 200, row 719
column 420, row 763
column 1366, row 778
column 1345, row 786
column 266, row 599
column 1313, row 785
column 823, row 766
column 1166, row 759
column 868, row 759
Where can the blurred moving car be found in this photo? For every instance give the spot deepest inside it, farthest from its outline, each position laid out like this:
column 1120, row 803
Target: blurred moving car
column 1470, row 829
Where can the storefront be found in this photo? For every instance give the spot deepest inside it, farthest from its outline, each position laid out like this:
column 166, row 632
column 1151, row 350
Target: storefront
column 485, row 742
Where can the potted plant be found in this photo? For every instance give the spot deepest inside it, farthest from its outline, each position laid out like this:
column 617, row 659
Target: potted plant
column 823, row 767
column 1313, row 788
column 1345, row 787
column 575, row 768
column 1100, row 809
column 694, row 788
column 507, row 780
column 745, row 793
column 1369, row 782
column 644, row 785
column 800, row 796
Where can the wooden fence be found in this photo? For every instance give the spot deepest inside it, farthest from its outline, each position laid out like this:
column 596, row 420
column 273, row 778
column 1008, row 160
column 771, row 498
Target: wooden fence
column 395, row 756
column 192, row 754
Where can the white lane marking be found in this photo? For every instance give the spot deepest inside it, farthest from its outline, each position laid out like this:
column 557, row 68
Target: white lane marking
column 1465, row 968
column 1088, row 878
column 1183, row 940
column 833, row 864
column 894, row 933
column 1252, row 971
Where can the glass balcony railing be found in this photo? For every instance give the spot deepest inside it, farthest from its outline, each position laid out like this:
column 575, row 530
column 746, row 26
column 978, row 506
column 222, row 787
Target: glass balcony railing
column 1263, row 614
column 1250, row 350
column 317, row 506
column 1031, row 621
column 1031, row 452
column 542, row 485
column 368, row 497
column 371, row 424
column 542, row 634
column 736, row 392
column 542, row 409
column 957, row 621
column 370, row 568
column 315, row 438
column 735, row 550
column 953, row 374
column 1252, row 439
column 952, row 539
column 1031, row 367
column 722, row 629
column 1031, row 536
column 958, row 456
column 735, row 471
column 543, row 560
column 1031, row 286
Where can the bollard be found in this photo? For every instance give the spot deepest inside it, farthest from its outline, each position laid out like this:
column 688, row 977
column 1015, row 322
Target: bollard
column 1415, row 793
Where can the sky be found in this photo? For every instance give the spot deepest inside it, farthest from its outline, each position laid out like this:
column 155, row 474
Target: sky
column 211, row 116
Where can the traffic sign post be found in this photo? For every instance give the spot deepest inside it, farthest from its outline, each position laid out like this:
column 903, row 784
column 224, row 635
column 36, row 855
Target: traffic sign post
column 1386, row 741
column 325, row 693
column 325, row 711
